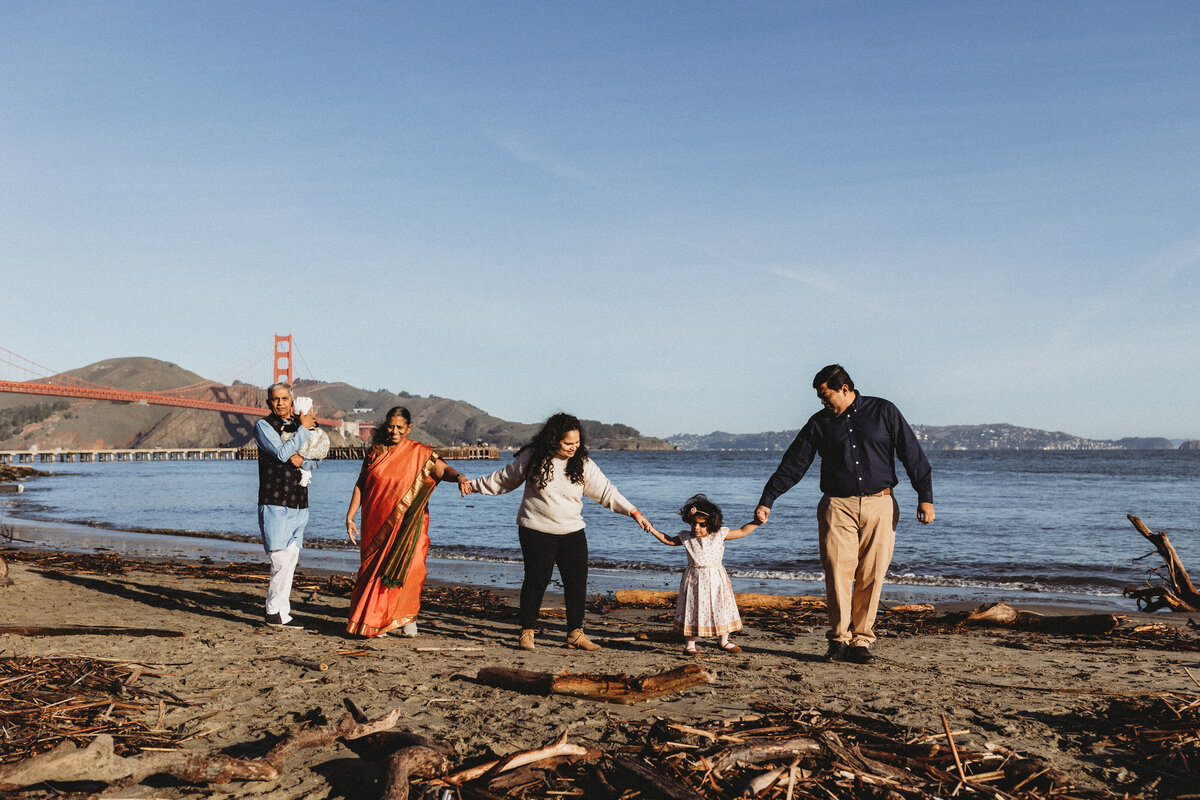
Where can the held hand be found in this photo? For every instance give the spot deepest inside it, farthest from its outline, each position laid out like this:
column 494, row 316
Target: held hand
column 762, row 514
column 640, row 519
column 464, row 485
column 351, row 530
column 309, row 420
column 925, row 512
column 296, row 461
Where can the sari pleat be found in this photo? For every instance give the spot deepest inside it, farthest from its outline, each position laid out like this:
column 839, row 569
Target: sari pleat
column 395, row 487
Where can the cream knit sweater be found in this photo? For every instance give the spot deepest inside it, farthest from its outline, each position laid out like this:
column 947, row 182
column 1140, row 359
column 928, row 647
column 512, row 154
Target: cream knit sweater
column 558, row 508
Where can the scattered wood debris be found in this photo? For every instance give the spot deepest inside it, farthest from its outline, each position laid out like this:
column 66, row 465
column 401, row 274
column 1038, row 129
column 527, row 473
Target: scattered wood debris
column 51, row 707
column 1174, row 590
column 622, row 689
column 45, row 701
column 1159, row 737
column 1091, row 630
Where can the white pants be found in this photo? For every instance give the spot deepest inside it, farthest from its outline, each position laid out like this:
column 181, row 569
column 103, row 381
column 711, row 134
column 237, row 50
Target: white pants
column 279, row 589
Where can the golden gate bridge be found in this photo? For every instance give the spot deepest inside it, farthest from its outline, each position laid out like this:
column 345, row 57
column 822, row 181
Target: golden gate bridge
column 208, row 395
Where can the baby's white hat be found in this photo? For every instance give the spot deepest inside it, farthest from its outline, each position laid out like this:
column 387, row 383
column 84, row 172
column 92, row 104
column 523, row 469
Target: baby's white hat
column 302, row 405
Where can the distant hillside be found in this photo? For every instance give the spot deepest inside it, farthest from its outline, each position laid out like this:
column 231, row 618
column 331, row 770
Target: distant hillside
column 438, row 420
column 933, row 438
column 27, row 421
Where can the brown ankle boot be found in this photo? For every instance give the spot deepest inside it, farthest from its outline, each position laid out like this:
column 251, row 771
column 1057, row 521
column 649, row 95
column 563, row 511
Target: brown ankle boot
column 526, row 642
column 577, row 640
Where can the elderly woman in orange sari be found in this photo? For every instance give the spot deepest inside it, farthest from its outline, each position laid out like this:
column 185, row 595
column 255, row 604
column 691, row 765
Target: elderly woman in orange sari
column 393, row 489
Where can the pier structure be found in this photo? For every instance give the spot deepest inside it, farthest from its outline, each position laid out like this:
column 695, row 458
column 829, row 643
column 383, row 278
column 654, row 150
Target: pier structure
column 81, row 456
column 357, row 452
column 211, row 454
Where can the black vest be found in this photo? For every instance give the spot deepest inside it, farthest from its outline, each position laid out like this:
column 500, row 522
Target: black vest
column 279, row 481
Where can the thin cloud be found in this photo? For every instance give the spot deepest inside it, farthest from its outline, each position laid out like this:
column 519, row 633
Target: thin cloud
column 812, row 281
column 527, row 153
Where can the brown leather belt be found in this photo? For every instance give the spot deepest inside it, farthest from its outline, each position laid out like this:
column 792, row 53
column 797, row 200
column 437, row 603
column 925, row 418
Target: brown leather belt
column 881, row 493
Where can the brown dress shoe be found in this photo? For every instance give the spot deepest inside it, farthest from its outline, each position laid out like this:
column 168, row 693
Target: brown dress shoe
column 577, row 640
column 526, row 642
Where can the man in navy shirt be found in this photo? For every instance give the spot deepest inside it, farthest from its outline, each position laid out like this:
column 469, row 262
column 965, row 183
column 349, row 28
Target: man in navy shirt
column 858, row 439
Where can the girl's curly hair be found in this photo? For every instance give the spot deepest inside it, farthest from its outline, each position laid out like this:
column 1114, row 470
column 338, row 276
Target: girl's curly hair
column 540, row 469
column 700, row 506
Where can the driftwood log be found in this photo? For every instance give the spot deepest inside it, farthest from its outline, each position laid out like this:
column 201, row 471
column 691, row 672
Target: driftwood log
column 85, row 630
column 623, row 689
column 650, row 597
column 1002, row 615
column 98, row 762
column 403, row 755
column 557, row 749
column 1178, row 593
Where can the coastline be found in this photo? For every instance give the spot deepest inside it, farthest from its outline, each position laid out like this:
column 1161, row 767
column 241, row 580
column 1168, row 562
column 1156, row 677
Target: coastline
column 321, row 556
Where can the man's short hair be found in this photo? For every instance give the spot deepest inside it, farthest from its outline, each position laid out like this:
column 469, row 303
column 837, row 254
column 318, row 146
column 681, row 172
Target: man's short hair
column 833, row 376
column 280, row 385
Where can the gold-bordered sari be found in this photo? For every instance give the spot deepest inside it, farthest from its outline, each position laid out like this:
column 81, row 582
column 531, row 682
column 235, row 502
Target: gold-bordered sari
column 395, row 484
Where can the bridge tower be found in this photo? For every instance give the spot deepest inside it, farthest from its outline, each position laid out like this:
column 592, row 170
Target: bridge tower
column 283, row 359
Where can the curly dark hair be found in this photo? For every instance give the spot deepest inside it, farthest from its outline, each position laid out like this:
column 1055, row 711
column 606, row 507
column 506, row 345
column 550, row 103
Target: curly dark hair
column 700, row 506
column 380, row 434
column 540, row 469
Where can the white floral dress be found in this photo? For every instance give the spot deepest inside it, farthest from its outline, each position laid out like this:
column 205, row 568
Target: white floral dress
column 706, row 606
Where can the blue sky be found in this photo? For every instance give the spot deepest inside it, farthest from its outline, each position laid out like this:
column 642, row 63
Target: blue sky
column 665, row 214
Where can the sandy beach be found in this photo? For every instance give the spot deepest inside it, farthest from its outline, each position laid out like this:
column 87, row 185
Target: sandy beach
column 237, row 683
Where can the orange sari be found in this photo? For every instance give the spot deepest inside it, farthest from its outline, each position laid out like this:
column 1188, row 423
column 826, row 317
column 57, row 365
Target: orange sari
column 395, row 486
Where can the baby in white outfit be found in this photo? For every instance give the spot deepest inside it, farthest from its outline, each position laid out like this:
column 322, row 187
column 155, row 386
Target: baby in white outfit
column 315, row 447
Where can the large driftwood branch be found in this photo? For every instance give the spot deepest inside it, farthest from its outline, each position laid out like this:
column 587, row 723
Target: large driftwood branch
column 651, row 597
column 1002, row 615
column 559, row 747
column 757, row 752
column 98, row 762
column 403, row 765
column 345, row 728
column 1179, row 594
column 379, row 746
column 623, row 689
column 403, row 755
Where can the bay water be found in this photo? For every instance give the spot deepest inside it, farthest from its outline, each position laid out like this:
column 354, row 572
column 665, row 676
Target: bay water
column 1023, row 526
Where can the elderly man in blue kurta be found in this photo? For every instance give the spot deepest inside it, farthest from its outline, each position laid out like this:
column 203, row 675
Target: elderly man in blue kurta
column 282, row 501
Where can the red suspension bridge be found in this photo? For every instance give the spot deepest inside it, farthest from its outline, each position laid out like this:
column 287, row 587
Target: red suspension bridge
column 241, row 398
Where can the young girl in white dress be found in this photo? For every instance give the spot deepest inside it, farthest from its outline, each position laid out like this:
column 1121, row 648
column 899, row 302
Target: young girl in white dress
column 706, row 606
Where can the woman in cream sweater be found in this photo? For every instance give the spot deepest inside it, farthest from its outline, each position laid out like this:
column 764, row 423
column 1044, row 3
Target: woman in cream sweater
column 557, row 473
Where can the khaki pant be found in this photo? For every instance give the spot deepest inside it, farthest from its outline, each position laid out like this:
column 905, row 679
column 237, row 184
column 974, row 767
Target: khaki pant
column 857, row 536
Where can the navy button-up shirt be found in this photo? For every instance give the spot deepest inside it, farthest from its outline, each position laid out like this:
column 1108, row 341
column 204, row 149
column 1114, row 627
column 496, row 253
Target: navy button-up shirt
column 858, row 449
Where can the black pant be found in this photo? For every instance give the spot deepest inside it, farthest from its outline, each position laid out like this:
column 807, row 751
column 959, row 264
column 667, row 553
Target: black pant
column 541, row 551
